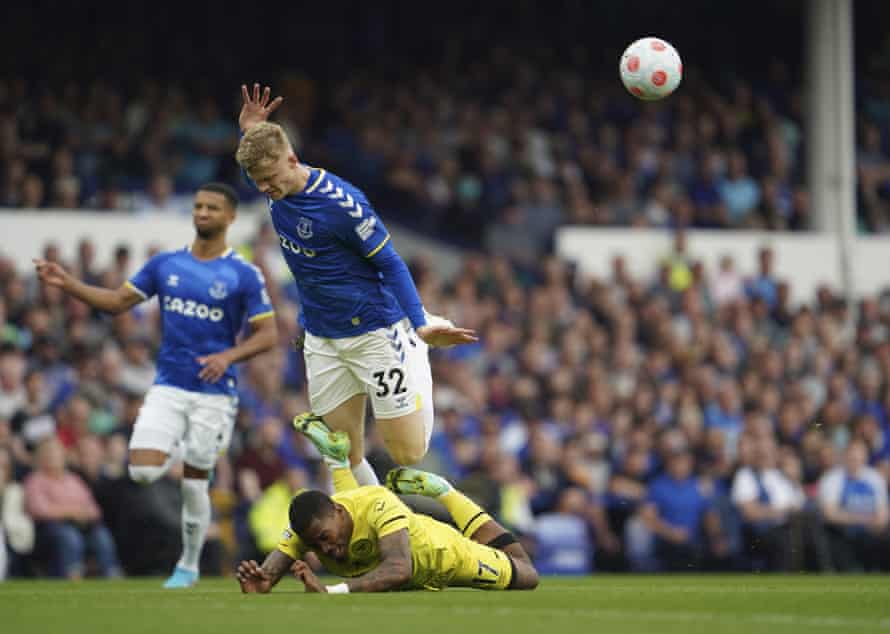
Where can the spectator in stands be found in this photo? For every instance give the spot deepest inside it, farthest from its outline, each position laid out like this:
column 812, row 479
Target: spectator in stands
column 16, row 527
column 725, row 413
column 764, row 285
column 33, row 192
column 766, row 499
column 161, row 197
column 854, row 505
column 69, row 522
column 738, row 191
column 728, row 286
column 679, row 512
column 268, row 513
column 261, row 457
column 564, row 545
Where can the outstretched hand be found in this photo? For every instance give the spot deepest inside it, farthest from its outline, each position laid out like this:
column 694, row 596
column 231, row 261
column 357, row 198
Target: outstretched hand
column 444, row 335
column 252, row 577
column 51, row 273
column 256, row 107
column 303, row 572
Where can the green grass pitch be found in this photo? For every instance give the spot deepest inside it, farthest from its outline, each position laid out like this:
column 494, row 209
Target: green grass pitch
column 631, row 604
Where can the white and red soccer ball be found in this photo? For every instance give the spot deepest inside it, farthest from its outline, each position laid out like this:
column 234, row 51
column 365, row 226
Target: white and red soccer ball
column 651, row 69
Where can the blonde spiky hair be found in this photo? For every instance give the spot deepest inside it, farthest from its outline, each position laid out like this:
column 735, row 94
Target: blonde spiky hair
column 262, row 144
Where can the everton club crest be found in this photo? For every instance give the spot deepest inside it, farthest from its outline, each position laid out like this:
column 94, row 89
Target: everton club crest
column 218, row 290
column 304, row 228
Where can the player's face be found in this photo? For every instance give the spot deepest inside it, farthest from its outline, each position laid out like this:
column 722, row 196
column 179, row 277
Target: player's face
column 329, row 536
column 211, row 214
column 277, row 179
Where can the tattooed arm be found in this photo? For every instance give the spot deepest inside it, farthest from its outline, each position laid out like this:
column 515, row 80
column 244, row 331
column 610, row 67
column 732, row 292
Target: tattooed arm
column 256, row 578
column 394, row 570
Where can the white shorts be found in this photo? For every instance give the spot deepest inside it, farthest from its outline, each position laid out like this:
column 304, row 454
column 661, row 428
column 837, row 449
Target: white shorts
column 202, row 422
column 390, row 365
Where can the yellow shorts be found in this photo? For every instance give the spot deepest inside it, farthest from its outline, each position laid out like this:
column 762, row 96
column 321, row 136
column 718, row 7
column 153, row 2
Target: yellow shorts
column 482, row 567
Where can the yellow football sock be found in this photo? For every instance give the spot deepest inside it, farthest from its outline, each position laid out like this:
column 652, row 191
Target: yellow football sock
column 343, row 479
column 468, row 515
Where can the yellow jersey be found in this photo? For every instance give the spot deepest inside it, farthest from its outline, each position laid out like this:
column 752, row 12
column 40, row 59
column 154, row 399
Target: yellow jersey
column 440, row 555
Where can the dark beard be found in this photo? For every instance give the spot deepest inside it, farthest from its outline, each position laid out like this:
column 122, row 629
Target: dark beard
column 206, row 234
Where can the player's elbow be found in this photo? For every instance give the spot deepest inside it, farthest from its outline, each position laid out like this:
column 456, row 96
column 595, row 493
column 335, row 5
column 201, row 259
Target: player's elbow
column 526, row 578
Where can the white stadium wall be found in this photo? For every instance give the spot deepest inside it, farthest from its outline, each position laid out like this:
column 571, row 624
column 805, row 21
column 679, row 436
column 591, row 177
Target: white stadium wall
column 805, row 260
column 24, row 233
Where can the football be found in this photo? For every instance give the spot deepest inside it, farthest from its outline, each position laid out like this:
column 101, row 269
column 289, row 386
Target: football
column 651, row 69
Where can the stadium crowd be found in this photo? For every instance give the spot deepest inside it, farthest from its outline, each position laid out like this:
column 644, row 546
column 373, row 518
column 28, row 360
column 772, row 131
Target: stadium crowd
column 539, row 145
column 694, row 420
column 508, row 139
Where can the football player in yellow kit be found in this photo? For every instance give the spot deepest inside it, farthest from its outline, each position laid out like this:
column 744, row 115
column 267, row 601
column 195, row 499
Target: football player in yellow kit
column 372, row 538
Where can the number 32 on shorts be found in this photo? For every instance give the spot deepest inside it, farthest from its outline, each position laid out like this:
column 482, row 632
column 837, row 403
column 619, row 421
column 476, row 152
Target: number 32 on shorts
column 390, row 382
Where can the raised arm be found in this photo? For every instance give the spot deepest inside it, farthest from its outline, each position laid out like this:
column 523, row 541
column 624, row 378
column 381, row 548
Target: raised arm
column 105, row 299
column 261, row 579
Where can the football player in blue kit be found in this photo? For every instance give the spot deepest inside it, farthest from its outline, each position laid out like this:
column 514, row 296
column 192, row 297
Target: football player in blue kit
column 366, row 331
column 206, row 293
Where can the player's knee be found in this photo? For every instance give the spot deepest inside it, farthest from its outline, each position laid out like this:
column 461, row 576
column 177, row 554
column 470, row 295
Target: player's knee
column 405, row 439
column 146, row 474
column 407, row 453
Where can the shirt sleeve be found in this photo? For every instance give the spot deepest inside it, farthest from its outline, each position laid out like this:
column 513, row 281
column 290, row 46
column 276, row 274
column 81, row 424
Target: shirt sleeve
column 37, row 502
column 387, row 514
column 356, row 224
column 830, row 488
column 359, row 227
column 257, row 303
column 291, row 545
column 744, row 488
column 880, row 486
column 144, row 281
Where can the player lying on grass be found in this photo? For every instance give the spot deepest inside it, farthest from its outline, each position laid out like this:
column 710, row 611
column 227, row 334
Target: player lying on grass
column 371, row 537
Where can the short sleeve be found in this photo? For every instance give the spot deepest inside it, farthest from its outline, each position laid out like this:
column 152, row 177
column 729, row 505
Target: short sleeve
column 257, row 303
column 830, row 488
column 145, row 281
column 744, row 488
column 387, row 514
column 291, row 545
column 358, row 225
column 880, row 487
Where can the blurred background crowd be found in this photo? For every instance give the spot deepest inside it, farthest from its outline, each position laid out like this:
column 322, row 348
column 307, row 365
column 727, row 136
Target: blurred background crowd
column 450, row 141
column 692, row 419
